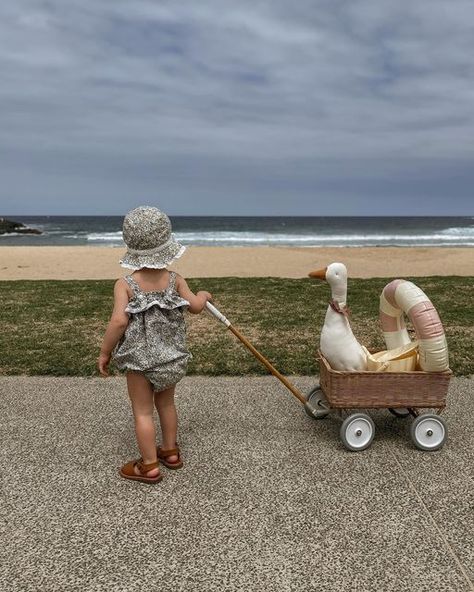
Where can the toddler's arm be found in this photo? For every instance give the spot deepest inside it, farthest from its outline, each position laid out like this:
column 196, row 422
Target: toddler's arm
column 116, row 327
column 197, row 302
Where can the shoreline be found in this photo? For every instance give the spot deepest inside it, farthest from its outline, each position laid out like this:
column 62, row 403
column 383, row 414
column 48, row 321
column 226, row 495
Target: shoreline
column 87, row 262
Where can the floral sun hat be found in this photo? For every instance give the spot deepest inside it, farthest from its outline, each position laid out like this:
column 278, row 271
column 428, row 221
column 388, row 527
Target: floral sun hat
column 150, row 242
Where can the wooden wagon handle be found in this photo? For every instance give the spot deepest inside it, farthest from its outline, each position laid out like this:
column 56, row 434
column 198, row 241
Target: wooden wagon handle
column 219, row 316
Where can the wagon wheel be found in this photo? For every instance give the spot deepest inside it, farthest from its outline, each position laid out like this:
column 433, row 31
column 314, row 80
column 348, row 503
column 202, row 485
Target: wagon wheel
column 316, row 405
column 357, row 431
column 429, row 432
column 399, row 412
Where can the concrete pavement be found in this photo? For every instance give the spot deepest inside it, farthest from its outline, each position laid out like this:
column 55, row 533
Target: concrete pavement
column 268, row 498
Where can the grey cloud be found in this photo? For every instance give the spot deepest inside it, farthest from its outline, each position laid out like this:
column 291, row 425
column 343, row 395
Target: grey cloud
column 113, row 98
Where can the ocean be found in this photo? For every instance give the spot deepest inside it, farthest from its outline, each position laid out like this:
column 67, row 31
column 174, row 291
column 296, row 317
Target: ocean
column 309, row 231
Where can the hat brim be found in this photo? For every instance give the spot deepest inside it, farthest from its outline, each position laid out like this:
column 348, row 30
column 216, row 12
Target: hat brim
column 158, row 260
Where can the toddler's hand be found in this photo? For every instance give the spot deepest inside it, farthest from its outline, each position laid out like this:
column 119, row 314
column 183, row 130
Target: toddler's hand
column 206, row 295
column 103, row 364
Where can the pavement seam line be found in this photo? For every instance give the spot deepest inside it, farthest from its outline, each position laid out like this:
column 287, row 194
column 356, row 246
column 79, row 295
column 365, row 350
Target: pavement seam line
column 440, row 532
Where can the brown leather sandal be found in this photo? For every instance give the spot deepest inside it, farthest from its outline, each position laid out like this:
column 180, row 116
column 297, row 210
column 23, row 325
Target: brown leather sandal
column 128, row 471
column 163, row 455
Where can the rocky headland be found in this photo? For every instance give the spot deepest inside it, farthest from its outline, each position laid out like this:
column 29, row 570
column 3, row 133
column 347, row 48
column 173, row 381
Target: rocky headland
column 10, row 226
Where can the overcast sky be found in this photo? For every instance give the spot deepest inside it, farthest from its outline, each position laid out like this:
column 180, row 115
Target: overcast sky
column 245, row 107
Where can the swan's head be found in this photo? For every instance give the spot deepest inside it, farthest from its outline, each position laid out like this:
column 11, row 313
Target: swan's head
column 335, row 275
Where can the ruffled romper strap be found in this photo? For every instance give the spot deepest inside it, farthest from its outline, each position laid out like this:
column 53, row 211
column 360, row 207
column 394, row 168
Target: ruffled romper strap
column 172, row 282
column 133, row 284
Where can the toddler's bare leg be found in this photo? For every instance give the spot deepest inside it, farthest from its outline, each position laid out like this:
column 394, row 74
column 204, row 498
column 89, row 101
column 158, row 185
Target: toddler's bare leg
column 140, row 392
column 164, row 402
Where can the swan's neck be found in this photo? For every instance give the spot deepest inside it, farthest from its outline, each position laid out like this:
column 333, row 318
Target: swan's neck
column 339, row 294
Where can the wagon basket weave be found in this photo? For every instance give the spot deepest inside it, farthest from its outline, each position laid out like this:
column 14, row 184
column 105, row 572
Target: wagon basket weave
column 383, row 389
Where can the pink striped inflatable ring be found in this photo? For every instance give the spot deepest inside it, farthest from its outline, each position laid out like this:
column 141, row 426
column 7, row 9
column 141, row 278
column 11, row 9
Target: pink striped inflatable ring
column 401, row 296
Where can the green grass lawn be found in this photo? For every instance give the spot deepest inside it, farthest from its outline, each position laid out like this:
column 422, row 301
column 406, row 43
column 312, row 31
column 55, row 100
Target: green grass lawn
column 56, row 327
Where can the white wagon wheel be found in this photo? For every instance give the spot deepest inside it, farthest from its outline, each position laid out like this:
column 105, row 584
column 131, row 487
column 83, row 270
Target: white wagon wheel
column 429, row 432
column 357, row 431
column 316, row 405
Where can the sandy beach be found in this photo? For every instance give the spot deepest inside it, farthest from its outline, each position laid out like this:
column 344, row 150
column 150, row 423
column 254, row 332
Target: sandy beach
column 65, row 263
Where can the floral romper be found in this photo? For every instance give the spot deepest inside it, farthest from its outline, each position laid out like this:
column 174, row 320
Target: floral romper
column 154, row 342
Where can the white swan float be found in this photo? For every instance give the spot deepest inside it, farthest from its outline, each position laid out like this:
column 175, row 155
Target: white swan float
column 337, row 343
column 402, row 296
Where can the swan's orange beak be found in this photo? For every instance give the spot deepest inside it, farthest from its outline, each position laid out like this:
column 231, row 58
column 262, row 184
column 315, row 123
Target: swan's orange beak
column 320, row 274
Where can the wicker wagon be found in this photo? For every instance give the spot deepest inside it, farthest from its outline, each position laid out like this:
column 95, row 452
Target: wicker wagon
column 403, row 393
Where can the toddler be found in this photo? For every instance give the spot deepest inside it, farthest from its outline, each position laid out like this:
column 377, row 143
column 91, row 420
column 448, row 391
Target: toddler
column 146, row 337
